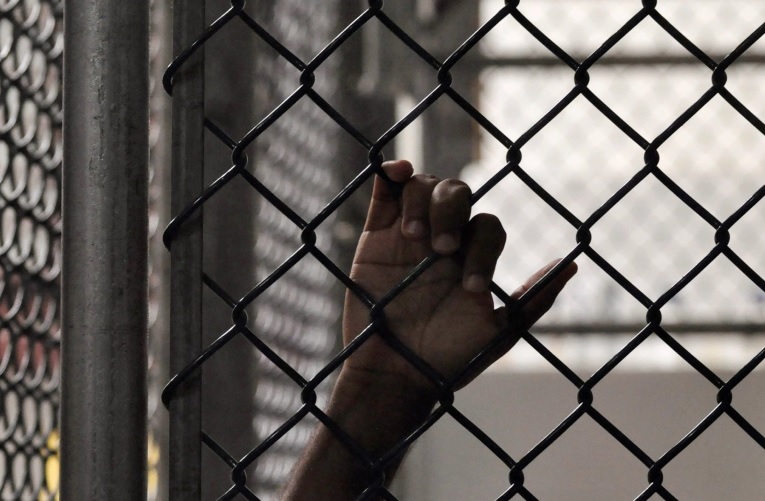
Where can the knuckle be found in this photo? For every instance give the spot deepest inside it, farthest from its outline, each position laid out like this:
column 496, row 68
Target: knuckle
column 418, row 190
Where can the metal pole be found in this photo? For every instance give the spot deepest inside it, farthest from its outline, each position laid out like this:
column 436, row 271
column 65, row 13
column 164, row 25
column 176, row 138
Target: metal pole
column 229, row 237
column 105, row 250
column 186, row 253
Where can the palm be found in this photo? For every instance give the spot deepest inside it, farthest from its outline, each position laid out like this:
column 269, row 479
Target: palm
column 434, row 316
column 444, row 316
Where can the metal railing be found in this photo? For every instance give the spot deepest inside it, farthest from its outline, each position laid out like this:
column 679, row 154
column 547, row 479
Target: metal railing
column 183, row 237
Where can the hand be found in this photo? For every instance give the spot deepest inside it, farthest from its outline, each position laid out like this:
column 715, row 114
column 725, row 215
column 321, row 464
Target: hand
column 446, row 316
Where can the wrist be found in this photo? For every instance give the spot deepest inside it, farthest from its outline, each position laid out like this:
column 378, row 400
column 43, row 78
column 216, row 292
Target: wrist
column 379, row 409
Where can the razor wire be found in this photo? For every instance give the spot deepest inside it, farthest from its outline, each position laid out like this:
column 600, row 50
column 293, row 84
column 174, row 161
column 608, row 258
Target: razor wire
column 307, row 221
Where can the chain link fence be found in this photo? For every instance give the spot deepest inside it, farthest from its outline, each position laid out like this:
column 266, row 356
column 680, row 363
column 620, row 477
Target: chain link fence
column 31, row 44
column 286, row 158
column 648, row 79
column 298, row 316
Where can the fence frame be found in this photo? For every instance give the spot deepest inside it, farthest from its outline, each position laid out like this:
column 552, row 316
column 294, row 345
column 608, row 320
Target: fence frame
column 104, row 284
column 186, row 250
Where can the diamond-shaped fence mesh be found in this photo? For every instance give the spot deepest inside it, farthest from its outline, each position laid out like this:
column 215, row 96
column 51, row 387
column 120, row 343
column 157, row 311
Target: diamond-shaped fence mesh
column 287, row 158
column 31, row 46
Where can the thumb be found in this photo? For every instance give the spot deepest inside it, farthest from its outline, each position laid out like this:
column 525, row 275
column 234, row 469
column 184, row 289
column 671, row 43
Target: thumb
column 526, row 316
column 544, row 298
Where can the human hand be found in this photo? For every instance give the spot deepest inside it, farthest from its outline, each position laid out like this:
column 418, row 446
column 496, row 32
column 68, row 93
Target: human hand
column 446, row 316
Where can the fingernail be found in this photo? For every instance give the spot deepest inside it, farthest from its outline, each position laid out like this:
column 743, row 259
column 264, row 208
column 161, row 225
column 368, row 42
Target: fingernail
column 445, row 243
column 415, row 228
column 475, row 283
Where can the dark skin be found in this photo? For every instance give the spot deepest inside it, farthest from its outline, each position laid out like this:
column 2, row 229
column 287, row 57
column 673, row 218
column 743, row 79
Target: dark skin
column 446, row 316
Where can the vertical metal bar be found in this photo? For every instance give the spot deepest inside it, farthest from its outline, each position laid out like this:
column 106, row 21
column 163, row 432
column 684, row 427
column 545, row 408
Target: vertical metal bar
column 230, row 103
column 105, row 250
column 186, row 253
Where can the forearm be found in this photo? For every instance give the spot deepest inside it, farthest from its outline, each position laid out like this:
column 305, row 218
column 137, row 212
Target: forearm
column 377, row 412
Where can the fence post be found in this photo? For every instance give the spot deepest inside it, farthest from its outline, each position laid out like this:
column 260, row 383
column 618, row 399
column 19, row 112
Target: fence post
column 229, row 237
column 105, row 250
column 185, row 444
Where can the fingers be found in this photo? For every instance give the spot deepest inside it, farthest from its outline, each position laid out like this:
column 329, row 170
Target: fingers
column 440, row 211
column 483, row 242
column 449, row 214
column 384, row 207
column 437, row 212
column 415, row 222
column 435, row 209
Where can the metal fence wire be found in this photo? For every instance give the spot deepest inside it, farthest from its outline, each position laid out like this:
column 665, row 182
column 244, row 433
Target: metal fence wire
column 307, row 218
column 31, row 44
column 298, row 317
